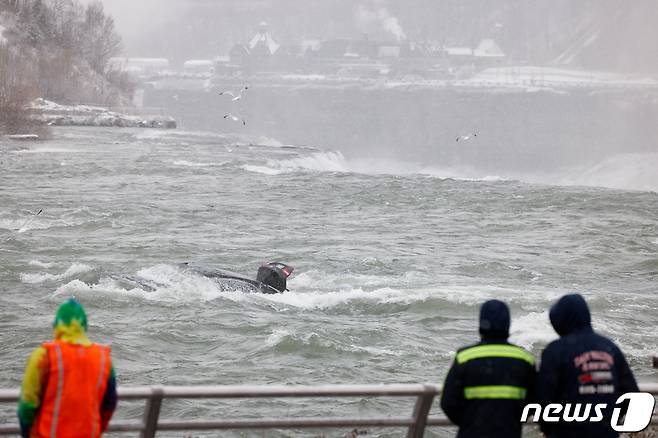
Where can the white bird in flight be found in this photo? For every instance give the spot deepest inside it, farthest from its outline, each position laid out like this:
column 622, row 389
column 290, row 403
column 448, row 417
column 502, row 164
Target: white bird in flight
column 466, row 136
column 230, row 93
column 235, row 118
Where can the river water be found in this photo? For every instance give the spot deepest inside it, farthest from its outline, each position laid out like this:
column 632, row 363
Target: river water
column 391, row 263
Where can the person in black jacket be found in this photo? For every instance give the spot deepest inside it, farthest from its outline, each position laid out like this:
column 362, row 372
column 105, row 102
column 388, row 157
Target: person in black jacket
column 581, row 367
column 489, row 382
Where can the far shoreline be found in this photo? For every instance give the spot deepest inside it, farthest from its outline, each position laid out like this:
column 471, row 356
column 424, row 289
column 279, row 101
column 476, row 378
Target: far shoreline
column 48, row 113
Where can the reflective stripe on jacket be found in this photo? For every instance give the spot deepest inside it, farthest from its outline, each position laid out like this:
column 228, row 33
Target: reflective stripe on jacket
column 495, row 350
column 77, row 380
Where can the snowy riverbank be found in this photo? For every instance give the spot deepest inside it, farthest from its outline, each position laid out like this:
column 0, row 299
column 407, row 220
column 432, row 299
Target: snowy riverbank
column 51, row 113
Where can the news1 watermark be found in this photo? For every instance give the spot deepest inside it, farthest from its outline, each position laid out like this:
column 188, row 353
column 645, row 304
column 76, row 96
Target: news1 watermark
column 637, row 418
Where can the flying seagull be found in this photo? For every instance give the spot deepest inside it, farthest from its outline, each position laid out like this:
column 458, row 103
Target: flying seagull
column 235, row 118
column 23, row 227
column 466, row 136
column 230, row 93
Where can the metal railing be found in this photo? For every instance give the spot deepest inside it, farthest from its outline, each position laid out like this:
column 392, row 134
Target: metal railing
column 151, row 423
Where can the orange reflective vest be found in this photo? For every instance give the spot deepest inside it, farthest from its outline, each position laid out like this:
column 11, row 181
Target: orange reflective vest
column 77, row 380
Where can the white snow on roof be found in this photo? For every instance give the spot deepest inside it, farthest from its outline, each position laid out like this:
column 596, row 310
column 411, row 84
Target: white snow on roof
column 488, row 48
column 264, row 38
column 140, row 62
column 198, row 63
column 459, row 51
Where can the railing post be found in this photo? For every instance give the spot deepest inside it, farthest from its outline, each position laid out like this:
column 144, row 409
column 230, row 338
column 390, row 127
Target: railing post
column 152, row 412
column 421, row 410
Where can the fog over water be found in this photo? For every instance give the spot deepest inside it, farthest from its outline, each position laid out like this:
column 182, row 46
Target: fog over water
column 542, row 130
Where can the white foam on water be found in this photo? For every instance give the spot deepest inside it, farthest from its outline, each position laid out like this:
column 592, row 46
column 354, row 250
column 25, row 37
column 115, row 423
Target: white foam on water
column 48, row 150
column 40, row 264
column 631, row 171
column 161, row 283
column 277, row 337
column 39, row 223
column 261, row 169
column 318, row 280
column 317, row 162
column 40, row 277
column 406, row 287
column 268, row 141
column 175, row 284
column 185, row 163
column 335, row 162
column 532, row 328
column 171, row 284
column 464, row 295
column 36, row 223
column 167, row 283
column 327, row 300
column 77, row 287
column 280, row 336
column 376, row 351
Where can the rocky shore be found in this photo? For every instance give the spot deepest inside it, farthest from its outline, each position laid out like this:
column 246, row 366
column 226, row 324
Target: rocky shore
column 53, row 114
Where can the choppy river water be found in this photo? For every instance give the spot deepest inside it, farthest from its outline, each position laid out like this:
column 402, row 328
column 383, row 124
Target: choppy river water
column 391, row 266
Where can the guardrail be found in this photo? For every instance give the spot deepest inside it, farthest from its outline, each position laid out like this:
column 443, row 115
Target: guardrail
column 151, row 423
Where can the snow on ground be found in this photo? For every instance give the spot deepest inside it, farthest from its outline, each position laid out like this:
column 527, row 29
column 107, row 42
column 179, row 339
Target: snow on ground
column 555, row 77
column 52, row 113
column 526, row 78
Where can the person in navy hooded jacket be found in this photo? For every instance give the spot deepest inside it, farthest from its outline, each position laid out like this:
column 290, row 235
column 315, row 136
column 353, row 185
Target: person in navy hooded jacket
column 490, row 382
column 581, row 367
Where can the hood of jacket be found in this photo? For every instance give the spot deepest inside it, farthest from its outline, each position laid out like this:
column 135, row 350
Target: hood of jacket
column 494, row 320
column 70, row 324
column 570, row 314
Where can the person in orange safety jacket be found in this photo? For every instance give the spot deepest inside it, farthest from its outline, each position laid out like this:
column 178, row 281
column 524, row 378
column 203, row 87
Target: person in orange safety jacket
column 69, row 387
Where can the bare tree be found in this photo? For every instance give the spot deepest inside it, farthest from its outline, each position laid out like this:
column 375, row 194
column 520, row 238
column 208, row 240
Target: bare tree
column 17, row 79
column 100, row 40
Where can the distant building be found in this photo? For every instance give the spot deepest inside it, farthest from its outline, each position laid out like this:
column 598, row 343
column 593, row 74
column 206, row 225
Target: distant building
column 488, row 53
column 459, row 52
column 308, row 46
column 140, row 66
column 349, row 48
column 199, row 66
column 224, row 66
column 388, row 51
column 262, row 44
column 488, row 49
column 460, row 61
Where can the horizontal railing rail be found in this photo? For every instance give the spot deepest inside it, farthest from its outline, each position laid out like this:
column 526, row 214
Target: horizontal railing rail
column 151, row 422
